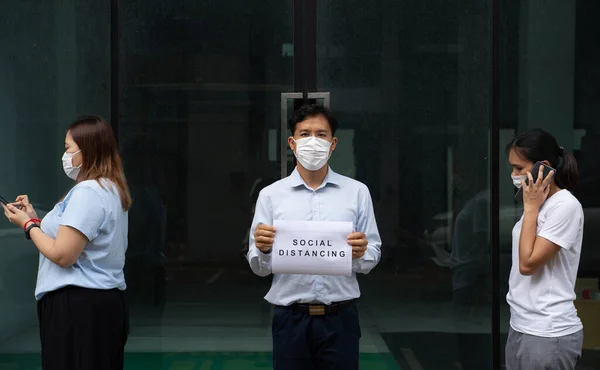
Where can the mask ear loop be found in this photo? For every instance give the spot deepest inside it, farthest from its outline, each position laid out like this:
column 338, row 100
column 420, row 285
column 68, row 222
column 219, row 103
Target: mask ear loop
column 73, row 155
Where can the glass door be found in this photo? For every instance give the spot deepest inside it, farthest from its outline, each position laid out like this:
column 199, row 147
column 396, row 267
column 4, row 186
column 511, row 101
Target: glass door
column 410, row 86
column 199, row 126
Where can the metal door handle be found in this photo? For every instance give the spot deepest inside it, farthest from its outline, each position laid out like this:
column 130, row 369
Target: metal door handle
column 326, row 96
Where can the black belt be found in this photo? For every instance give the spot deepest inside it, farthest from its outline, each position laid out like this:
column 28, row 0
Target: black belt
column 316, row 309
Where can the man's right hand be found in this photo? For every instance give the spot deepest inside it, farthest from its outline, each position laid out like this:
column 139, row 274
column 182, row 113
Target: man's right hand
column 264, row 236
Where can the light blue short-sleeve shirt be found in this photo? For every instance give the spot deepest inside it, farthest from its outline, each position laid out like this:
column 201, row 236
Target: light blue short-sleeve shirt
column 338, row 198
column 95, row 211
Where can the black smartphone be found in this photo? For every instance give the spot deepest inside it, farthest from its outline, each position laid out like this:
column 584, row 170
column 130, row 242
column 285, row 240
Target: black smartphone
column 534, row 173
column 6, row 202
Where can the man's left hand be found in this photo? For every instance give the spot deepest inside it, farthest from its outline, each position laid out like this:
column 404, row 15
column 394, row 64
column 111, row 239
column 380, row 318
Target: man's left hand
column 359, row 243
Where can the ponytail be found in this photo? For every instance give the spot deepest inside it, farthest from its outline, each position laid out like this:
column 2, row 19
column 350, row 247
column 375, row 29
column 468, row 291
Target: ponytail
column 567, row 172
column 537, row 145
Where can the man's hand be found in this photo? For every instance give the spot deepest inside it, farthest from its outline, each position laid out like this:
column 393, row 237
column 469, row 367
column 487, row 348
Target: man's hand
column 264, row 236
column 359, row 243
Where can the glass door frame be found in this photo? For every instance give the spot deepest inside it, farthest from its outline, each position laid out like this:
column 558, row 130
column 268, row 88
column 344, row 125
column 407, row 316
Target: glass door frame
column 305, row 81
column 305, row 24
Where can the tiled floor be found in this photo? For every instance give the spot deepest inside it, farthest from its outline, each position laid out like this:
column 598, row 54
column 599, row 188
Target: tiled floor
column 227, row 315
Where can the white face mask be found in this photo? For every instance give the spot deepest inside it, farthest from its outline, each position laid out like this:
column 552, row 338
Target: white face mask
column 312, row 152
column 517, row 180
column 67, row 162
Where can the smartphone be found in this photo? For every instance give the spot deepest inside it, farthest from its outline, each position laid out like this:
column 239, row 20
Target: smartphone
column 534, row 173
column 6, row 202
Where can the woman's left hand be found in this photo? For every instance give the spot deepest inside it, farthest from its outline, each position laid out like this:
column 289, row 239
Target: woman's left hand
column 15, row 215
column 536, row 192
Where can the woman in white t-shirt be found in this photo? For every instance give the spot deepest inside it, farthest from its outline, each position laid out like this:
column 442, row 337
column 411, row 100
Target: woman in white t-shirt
column 545, row 331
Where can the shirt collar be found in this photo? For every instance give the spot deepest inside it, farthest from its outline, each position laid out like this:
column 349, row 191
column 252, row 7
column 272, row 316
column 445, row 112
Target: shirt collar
column 331, row 178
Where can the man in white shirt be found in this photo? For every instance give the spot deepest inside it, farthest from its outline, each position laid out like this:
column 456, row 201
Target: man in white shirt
column 315, row 325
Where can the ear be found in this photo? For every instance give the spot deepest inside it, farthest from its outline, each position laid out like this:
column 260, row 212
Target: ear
column 333, row 144
column 292, row 144
column 546, row 163
column 77, row 159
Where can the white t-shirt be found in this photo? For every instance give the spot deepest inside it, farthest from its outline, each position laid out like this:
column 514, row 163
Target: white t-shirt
column 542, row 304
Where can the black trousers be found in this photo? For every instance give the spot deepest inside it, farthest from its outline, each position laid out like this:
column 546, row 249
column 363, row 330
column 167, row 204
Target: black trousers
column 304, row 342
column 83, row 329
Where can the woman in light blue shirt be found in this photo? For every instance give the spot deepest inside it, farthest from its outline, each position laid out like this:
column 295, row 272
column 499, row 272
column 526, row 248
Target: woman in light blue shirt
column 80, row 287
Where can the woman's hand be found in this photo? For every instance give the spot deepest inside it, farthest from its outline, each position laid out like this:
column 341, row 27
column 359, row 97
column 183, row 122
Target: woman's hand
column 536, row 192
column 15, row 215
column 23, row 202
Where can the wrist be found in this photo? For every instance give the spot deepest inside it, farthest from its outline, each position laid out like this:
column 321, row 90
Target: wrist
column 531, row 210
column 31, row 221
column 32, row 225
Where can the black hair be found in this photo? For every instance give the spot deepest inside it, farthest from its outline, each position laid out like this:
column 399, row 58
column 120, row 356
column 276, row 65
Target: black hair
column 537, row 145
column 309, row 111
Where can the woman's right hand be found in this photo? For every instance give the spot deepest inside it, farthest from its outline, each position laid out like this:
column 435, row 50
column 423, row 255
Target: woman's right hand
column 23, row 202
column 536, row 193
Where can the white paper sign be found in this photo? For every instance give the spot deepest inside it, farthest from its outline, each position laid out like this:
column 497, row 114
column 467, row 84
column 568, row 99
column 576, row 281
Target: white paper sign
column 312, row 247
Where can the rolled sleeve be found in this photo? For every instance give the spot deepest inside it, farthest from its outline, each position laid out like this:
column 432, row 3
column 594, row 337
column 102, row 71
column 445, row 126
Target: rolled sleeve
column 260, row 262
column 367, row 224
column 85, row 212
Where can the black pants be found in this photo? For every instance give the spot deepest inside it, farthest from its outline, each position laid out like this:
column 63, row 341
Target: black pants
column 83, row 329
column 304, row 342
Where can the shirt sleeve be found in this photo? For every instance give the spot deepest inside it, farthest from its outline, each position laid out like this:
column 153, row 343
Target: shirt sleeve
column 367, row 224
column 260, row 262
column 563, row 225
column 85, row 212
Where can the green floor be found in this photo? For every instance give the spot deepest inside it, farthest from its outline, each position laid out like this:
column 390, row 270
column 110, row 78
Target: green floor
column 196, row 361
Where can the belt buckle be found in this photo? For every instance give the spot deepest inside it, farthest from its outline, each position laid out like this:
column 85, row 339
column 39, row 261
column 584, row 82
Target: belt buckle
column 316, row 310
